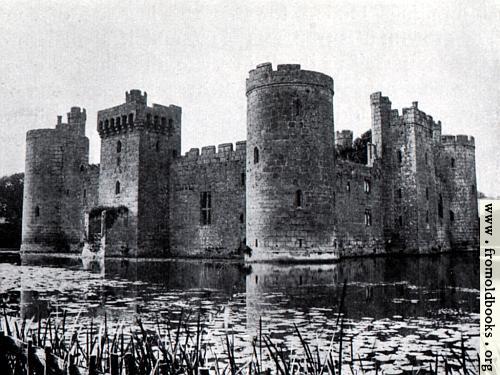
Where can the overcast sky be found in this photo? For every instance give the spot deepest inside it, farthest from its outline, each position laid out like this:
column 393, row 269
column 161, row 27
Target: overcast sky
column 58, row 54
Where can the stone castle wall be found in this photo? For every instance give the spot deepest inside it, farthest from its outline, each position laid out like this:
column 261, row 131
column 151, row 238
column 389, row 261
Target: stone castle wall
column 358, row 228
column 222, row 175
column 281, row 195
column 420, row 188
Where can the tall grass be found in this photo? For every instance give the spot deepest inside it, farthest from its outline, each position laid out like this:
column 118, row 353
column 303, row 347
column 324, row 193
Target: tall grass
column 57, row 345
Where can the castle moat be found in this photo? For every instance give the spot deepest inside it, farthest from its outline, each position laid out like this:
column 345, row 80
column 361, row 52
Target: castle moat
column 400, row 313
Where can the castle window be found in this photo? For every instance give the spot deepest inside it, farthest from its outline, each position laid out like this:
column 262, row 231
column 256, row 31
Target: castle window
column 400, row 193
column 300, row 245
column 427, row 193
column 84, row 193
column 118, row 121
column 82, row 168
column 255, row 155
column 67, row 192
column 206, row 208
column 298, row 199
column 118, row 161
column 452, row 162
column 348, row 186
column 157, row 120
column 170, row 127
column 119, row 146
column 400, row 157
column 174, row 153
column 368, row 218
column 400, row 221
column 101, row 124
column 117, row 187
column 106, row 124
column 452, row 216
column 131, row 119
column 163, row 121
column 367, row 186
column 37, row 211
column 157, row 146
column 112, row 123
column 256, row 242
column 426, row 159
column 148, row 118
column 297, row 106
column 473, row 189
column 427, row 216
column 242, row 179
column 124, row 119
column 440, row 206
column 242, row 218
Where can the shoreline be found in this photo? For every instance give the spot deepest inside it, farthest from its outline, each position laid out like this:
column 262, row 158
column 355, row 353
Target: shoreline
column 17, row 255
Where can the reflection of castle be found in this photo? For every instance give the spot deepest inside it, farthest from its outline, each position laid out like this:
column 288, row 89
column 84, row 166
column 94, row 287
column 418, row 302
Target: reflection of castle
column 377, row 287
column 283, row 192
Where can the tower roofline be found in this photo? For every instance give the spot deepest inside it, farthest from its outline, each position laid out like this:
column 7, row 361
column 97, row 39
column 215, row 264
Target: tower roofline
column 264, row 75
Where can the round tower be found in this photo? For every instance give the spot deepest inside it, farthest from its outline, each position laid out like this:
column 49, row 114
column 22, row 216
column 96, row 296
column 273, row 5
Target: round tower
column 42, row 191
column 52, row 201
column 460, row 167
column 290, row 164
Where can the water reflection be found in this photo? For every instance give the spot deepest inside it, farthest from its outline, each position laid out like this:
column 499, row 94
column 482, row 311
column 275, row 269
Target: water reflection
column 376, row 287
column 398, row 303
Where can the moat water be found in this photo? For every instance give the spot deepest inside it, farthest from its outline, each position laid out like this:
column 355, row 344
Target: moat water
column 399, row 312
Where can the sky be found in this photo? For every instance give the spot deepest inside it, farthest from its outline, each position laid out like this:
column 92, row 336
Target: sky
column 197, row 54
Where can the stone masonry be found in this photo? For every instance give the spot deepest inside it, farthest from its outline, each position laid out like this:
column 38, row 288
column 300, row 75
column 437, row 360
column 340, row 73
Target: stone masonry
column 282, row 195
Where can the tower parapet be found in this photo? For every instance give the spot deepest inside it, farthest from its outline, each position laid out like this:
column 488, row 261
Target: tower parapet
column 76, row 121
column 135, row 114
column 343, row 138
column 137, row 97
column 264, row 75
column 458, row 140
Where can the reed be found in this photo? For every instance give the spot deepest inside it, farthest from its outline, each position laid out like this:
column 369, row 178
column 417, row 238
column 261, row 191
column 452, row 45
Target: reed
column 51, row 346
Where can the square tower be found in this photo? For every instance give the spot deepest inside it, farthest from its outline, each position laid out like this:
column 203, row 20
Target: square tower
column 138, row 143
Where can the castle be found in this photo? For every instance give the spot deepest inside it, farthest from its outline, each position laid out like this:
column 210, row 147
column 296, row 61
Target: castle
column 283, row 194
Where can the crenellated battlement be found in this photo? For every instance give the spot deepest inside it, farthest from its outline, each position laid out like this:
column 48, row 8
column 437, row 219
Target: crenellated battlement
column 75, row 126
column 90, row 168
column 378, row 99
column 38, row 133
column 343, row 138
column 76, row 119
column 264, row 75
column 134, row 114
column 136, row 96
column 76, row 115
column 458, row 140
column 209, row 154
